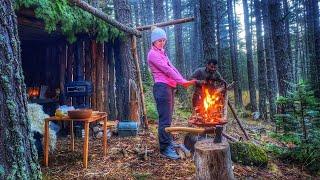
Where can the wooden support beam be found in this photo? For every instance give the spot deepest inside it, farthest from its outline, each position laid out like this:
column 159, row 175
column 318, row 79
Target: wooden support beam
column 168, row 23
column 136, row 62
column 96, row 12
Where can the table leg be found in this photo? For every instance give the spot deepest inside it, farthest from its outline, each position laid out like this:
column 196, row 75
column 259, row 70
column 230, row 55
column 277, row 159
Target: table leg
column 46, row 142
column 105, row 136
column 86, row 144
column 72, row 135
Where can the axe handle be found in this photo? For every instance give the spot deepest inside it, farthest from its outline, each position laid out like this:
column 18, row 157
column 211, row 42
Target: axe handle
column 190, row 130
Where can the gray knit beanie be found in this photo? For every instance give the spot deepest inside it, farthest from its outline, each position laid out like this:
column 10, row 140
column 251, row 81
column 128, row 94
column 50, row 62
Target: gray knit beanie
column 157, row 33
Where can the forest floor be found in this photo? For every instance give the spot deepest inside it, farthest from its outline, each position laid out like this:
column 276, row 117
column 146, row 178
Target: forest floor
column 123, row 161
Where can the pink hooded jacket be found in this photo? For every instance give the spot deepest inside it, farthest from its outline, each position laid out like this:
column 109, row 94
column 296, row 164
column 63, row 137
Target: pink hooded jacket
column 161, row 68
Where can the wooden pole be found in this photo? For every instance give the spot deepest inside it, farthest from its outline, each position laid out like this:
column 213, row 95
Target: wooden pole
column 63, row 62
column 98, row 13
column 213, row 160
column 136, row 61
column 168, row 23
column 93, row 74
column 106, row 78
column 238, row 121
column 99, row 77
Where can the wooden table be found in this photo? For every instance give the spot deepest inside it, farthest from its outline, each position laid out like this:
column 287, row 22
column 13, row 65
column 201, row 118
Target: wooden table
column 94, row 118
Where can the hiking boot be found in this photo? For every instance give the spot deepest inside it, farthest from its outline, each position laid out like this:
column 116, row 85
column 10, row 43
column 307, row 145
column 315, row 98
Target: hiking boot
column 170, row 153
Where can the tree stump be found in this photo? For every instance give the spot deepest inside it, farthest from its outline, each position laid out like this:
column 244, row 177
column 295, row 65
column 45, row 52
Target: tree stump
column 213, row 160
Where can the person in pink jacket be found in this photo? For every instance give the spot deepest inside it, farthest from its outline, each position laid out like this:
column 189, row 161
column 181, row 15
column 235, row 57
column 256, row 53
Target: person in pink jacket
column 166, row 77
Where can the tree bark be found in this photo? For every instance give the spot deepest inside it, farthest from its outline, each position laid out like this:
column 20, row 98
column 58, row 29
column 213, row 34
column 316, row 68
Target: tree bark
column 124, row 65
column 283, row 63
column 167, row 17
column 287, row 18
column 18, row 156
column 195, row 39
column 250, row 67
column 207, row 30
column 180, row 64
column 158, row 10
column 112, row 113
column 262, row 74
column 313, row 42
column 234, row 56
column 105, row 79
column 272, row 90
column 219, row 47
column 99, row 77
column 213, row 160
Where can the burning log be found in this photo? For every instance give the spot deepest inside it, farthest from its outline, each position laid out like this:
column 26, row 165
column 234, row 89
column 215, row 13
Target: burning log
column 211, row 108
column 213, row 160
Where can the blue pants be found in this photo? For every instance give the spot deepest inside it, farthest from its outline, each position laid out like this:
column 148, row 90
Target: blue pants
column 164, row 97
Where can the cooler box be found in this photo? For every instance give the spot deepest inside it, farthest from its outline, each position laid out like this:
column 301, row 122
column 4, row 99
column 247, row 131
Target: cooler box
column 127, row 128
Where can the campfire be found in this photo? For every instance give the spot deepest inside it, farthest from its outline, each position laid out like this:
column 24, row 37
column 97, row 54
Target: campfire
column 211, row 109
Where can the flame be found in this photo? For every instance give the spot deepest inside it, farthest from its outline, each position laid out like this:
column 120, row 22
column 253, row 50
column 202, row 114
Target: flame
column 211, row 107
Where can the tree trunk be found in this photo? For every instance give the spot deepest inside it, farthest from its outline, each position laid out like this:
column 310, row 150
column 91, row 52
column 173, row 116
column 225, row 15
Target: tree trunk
column 262, row 75
column 213, row 160
column 207, row 30
column 168, row 44
column 180, row 64
column 313, row 42
column 250, row 67
column 234, row 58
column 287, row 16
column 283, row 63
column 317, row 46
column 112, row 113
column 148, row 19
column 219, row 47
column 106, row 78
column 124, row 66
column 18, row 156
column 158, row 10
column 272, row 90
column 196, row 40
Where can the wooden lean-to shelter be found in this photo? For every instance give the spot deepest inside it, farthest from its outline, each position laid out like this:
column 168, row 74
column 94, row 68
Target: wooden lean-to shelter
column 51, row 60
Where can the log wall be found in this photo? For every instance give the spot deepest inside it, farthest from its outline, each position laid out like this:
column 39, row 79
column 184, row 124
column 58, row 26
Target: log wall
column 56, row 63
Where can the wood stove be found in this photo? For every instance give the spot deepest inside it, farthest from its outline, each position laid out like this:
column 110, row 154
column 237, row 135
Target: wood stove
column 79, row 90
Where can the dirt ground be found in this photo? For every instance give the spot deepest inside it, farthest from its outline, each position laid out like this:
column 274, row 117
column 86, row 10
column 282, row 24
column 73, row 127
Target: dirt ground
column 126, row 160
